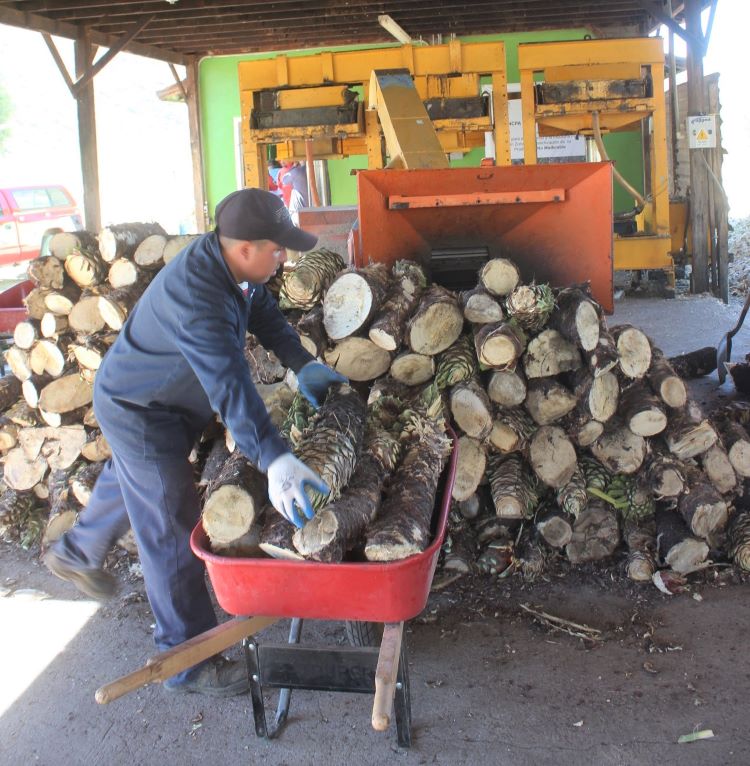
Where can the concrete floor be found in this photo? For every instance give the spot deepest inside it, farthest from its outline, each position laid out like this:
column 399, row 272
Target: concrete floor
column 489, row 685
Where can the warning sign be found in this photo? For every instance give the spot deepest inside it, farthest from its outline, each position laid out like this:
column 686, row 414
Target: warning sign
column 702, row 131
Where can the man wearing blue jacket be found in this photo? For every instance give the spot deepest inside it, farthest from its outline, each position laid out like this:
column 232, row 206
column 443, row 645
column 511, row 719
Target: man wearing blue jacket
column 178, row 362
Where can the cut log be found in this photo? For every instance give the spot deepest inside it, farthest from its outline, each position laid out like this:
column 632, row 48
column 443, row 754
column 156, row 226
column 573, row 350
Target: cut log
column 10, row 390
column 277, row 397
column 642, row 410
column 511, row 430
column 22, row 415
column 456, row 364
column 62, row 301
column 471, row 463
column 49, row 358
column 633, row 350
column 581, row 428
column 123, row 272
column 353, row 299
column 688, row 434
column 480, row 307
column 576, row 318
column 552, row 456
column 412, row 369
column 665, row 475
column 437, row 322
column 694, row 364
column 121, row 240
column 115, row 306
column 86, row 267
column 175, row 245
column 234, row 500
column 550, row 354
column 598, row 397
column 737, row 443
column 276, row 537
column 530, row 306
column 665, row 382
column 738, row 539
column 34, row 302
column 641, row 562
column 603, row 357
column 500, row 276
column 85, row 316
column 702, row 507
column 718, row 468
column 358, row 359
column 20, row 473
column 676, row 547
column 312, row 333
column 89, row 350
column 215, row 460
column 47, row 272
column 389, row 324
column 18, row 362
column 305, row 285
column 620, row 450
column 52, row 325
column 554, row 527
column 32, row 387
column 96, row 447
column 57, row 419
column 472, row 506
column 26, row 333
column 62, row 243
column 8, row 434
column 265, row 366
column 507, row 388
column 596, row 535
column 514, row 489
column 340, row 525
column 499, row 346
column 402, row 528
column 572, row 497
column 65, row 394
column 471, row 409
column 548, row 401
column 150, row 252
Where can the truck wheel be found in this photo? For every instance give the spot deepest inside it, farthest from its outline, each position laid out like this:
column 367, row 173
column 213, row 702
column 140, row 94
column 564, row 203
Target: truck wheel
column 364, row 633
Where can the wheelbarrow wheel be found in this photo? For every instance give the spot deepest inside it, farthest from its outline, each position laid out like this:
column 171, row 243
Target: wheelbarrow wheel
column 364, row 633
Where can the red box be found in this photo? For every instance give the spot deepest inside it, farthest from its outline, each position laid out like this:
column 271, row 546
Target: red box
column 376, row 592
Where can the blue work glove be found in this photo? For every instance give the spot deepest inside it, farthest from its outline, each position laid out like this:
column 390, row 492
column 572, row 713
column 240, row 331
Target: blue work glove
column 287, row 479
column 315, row 379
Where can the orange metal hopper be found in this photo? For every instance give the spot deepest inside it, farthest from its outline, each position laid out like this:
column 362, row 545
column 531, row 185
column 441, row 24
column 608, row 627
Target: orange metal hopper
column 554, row 221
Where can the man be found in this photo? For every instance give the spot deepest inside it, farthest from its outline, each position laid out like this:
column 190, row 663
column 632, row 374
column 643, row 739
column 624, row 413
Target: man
column 178, row 361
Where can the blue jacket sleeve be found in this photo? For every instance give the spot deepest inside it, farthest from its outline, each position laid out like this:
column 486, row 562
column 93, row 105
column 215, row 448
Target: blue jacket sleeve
column 212, row 347
column 273, row 331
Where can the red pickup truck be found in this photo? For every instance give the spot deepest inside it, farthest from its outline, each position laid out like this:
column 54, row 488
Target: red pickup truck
column 28, row 213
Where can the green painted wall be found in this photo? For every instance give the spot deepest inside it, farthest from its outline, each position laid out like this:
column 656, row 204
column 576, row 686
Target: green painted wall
column 220, row 106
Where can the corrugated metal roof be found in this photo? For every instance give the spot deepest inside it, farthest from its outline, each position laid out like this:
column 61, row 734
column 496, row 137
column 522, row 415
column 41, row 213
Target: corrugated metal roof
column 177, row 29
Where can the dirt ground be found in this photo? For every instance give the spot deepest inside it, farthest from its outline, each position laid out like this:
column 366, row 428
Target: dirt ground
column 490, row 683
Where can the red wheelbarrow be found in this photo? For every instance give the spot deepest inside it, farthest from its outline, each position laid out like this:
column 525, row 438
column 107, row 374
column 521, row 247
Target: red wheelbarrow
column 356, row 592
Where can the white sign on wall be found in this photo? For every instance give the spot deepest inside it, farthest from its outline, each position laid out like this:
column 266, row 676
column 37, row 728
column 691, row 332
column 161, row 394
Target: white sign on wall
column 702, row 131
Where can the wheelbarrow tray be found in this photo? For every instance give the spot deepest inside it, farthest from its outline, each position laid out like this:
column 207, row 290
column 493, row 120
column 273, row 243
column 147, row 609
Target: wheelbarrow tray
column 368, row 591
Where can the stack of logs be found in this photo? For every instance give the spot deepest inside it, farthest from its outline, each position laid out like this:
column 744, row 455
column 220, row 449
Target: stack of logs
column 574, row 438
column 52, row 450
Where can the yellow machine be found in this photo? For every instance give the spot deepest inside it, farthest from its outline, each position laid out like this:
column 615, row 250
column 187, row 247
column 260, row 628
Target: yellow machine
column 318, row 106
column 590, row 87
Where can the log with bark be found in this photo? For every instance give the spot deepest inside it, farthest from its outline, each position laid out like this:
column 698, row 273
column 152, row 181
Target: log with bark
column 471, row 463
column 49, row 357
column 547, row 400
column 694, row 364
column 738, row 540
column 554, row 526
column 596, row 534
column 500, row 276
column 89, row 350
column 676, row 547
column 61, row 301
column 64, row 242
column 358, row 359
column 515, row 490
column 84, row 479
column 34, row 302
column 47, row 272
column 123, row 272
column 665, row 382
column 275, row 538
column 10, row 391
column 552, row 456
column 620, row 450
column 598, row 397
column 572, row 497
column 175, row 245
column 150, row 252
column 116, row 305
column 548, row 354
column 511, row 430
column 507, row 387
column 702, row 507
column 471, row 409
column 306, row 283
column 688, row 434
column 402, row 527
column 21, row 473
column 737, row 443
column 352, row 300
column 96, row 447
column 436, row 323
column 65, row 394
column 576, row 318
column 52, row 325
column 642, row 411
column 85, row 317
column 530, row 306
column 664, row 474
column 264, row 365
column 412, row 369
column 604, row 356
column 86, row 267
column 640, row 564
column 633, row 350
column 581, row 428
column 499, row 346
column 480, row 306
column 460, row 546
column 311, row 332
column 718, row 468
column 456, row 364
column 122, row 240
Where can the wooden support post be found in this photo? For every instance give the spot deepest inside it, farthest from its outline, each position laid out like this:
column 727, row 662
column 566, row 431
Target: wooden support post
column 698, row 175
column 84, row 56
column 674, row 111
column 199, row 195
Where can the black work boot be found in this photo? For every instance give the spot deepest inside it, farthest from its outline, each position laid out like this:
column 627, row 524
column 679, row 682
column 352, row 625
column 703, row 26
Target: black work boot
column 217, row 677
column 94, row 583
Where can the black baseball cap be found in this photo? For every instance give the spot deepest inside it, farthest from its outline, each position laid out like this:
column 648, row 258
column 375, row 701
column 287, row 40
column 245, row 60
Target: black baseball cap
column 251, row 214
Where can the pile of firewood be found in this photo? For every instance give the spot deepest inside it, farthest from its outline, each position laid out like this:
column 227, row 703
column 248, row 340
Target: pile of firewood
column 574, row 439
column 52, row 451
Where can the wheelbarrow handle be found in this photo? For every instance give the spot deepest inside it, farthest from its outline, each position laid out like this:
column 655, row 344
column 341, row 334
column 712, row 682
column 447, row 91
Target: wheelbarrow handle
column 184, row 656
column 385, row 675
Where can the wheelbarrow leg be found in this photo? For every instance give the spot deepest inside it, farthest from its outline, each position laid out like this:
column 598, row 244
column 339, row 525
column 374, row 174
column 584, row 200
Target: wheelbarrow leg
column 250, row 647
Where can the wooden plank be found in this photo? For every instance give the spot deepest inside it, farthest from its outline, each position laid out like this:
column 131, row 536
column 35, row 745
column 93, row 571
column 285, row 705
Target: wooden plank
column 58, row 60
column 385, row 675
column 196, row 152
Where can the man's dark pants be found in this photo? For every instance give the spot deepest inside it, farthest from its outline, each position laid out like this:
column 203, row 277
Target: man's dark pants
column 158, row 499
